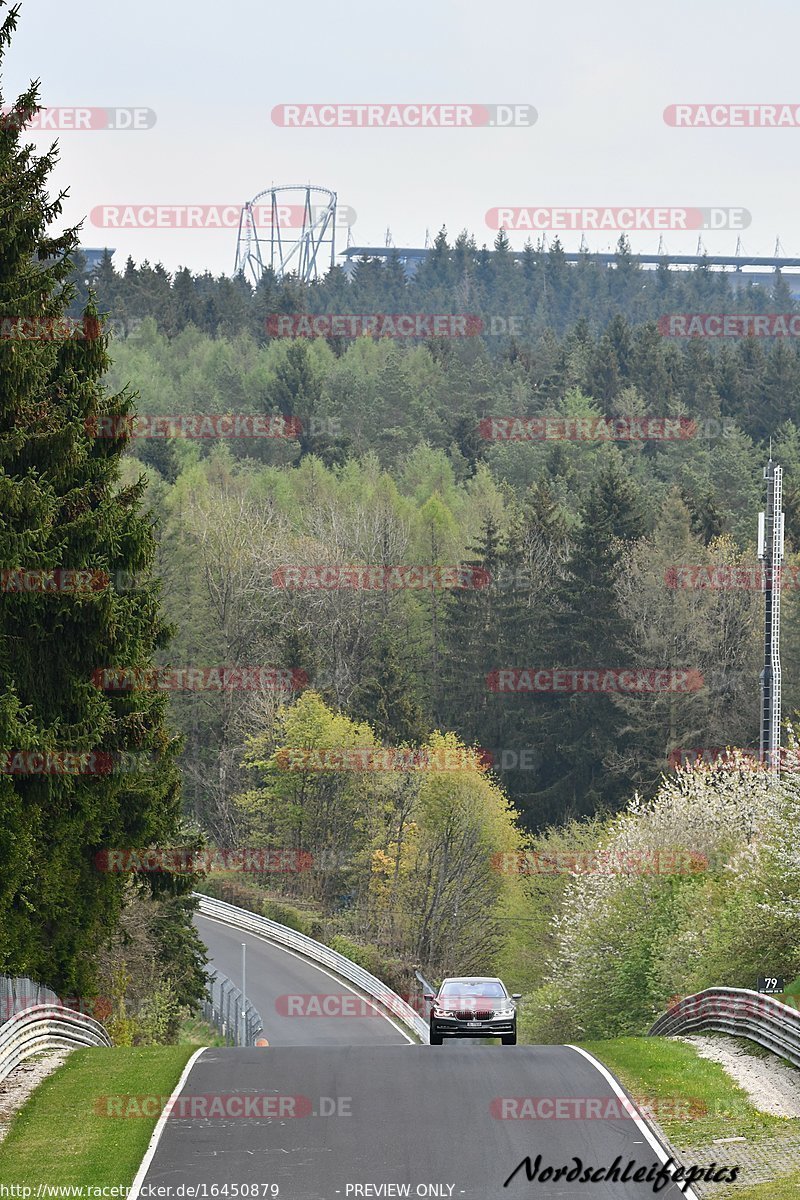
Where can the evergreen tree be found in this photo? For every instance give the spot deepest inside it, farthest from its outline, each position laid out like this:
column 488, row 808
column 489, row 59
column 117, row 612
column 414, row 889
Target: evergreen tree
column 589, row 631
column 63, row 509
column 474, row 642
column 388, row 699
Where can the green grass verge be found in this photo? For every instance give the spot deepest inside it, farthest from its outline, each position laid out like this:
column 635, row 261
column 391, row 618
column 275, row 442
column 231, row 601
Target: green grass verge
column 196, row 1032
column 661, row 1070
column 59, row 1138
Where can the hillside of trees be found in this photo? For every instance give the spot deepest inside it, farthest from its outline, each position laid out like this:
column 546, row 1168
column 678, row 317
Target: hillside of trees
column 392, row 466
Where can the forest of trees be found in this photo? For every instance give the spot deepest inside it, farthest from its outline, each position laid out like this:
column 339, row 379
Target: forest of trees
column 391, row 467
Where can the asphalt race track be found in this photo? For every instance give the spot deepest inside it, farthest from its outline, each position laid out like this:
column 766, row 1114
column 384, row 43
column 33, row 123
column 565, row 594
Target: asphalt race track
column 349, row 1107
column 273, row 972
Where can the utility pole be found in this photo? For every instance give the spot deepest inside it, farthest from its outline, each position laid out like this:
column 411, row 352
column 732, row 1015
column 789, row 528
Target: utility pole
column 770, row 552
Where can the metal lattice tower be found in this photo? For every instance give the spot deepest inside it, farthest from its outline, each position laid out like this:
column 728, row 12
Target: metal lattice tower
column 770, row 551
column 288, row 246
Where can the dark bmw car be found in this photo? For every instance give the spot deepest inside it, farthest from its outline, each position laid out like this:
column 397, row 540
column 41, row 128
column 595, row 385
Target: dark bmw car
column 473, row 1007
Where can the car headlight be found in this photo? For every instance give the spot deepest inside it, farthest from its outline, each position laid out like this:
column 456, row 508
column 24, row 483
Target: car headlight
column 504, row 1012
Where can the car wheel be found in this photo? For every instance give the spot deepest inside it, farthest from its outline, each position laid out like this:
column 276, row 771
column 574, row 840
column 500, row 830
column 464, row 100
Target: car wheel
column 436, row 1039
column 509, row 1039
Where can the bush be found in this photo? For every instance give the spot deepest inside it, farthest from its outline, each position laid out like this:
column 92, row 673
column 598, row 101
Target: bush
column 303, row 922
column 391, row 971
column 629, row 938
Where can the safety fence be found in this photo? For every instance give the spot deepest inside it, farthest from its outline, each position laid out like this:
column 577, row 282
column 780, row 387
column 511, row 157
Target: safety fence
column 46, row 1027
column 19, row 994
column 230, row 1012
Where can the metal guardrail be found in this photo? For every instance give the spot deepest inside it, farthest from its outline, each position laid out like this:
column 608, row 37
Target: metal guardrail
column 386, row 1000
column 740, row 1013
column 231, row 1012
column 46, row 1027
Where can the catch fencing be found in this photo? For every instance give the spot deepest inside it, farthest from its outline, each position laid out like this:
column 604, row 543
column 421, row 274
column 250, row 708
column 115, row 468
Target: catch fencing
column 19, row 994
column 230, row 1012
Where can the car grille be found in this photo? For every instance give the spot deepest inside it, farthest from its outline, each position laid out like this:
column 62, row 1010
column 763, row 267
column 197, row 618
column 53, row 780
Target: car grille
column 471, row 1014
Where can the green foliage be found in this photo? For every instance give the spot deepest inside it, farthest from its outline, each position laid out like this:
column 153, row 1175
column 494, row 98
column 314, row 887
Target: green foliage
column 152, row 971
column 63, row 507
column 391, row 971
column 697, row 888
column 402, row 858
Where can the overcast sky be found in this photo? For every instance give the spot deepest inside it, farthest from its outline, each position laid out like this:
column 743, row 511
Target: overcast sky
column 598, row 75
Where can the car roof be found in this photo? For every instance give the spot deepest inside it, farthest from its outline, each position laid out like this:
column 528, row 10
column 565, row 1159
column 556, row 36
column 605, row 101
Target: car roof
column 471, row 979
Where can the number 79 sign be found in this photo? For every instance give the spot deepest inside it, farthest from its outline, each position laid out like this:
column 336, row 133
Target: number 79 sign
column 770, row 985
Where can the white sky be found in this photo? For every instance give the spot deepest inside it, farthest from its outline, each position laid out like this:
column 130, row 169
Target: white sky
column 599, row 75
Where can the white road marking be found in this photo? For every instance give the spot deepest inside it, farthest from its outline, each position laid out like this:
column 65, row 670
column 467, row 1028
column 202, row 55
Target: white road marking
column 160, row 1125
column 641, row 1124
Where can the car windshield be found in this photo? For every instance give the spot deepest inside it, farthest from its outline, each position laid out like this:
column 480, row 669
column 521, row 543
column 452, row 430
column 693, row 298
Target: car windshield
column 467, row 989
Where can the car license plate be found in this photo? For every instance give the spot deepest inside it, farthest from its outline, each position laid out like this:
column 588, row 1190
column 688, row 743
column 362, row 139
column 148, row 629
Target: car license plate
column 474, row 1024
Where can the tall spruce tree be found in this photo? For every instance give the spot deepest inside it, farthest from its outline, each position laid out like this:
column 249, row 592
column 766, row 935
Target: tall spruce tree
column 588, row 631
column 61, row 507
column 474, row 640
column 388, row 699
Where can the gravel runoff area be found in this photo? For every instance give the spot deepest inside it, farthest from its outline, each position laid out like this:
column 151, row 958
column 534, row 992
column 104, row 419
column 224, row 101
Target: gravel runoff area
column 773, row 1087
column 17, row 1087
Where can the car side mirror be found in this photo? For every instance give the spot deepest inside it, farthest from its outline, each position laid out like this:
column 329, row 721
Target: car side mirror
column 428, row 996
column 516, row 995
